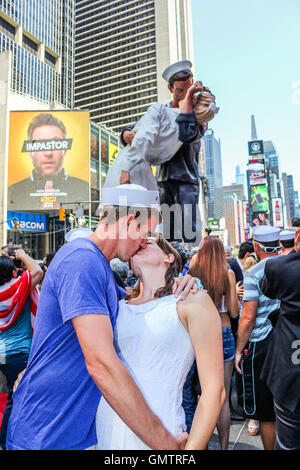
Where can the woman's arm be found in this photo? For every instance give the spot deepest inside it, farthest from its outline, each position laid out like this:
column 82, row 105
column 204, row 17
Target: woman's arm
column 231, row 297
column 202, row 320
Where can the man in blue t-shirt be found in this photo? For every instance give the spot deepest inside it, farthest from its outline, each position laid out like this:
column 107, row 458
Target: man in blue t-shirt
column 73, row 353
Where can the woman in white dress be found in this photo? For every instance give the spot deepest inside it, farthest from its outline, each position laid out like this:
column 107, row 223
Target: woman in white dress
column 158, row 338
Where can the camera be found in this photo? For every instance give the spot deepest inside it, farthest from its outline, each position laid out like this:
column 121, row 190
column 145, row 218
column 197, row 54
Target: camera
column 11, row 253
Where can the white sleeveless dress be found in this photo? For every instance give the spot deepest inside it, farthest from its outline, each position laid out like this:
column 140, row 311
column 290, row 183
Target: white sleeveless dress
column 157, row 350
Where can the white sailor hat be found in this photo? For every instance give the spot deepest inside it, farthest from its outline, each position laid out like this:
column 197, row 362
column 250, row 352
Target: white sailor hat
column 228, row 248
column 176, row 68
column 130, row 195
column 287, row 235
column 81, row 232
column 265, row 233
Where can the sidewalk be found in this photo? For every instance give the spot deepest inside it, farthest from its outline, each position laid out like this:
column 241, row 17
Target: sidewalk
column 239, row 438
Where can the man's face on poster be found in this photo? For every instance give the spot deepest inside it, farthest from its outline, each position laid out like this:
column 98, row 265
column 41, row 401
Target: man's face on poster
column 47, row 163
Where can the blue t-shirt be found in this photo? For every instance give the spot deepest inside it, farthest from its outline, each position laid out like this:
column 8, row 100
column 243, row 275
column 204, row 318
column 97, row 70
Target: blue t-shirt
column 54, row 406
column 17, row 339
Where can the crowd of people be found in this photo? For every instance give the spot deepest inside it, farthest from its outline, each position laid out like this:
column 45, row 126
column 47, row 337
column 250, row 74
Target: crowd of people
column 123, row 340
column 169, row 328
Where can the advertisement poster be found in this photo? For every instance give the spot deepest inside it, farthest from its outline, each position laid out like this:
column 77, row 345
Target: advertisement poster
column 113, row 152
column 246, row 215
column 277, row 212
column 256, row 147
column 26, row 222
column 260, row 218
column 48, row 159
column 257, row 174
column 259, row 198
column 94, row 143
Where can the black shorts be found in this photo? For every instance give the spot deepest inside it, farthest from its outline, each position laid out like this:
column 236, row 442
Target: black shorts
column 257, row 398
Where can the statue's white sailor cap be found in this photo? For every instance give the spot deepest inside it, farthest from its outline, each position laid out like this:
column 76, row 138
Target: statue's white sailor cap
column 176, row 68
column 130, row 195
column 228, row 248
column 287, row 235
column 81, row 232
column 265, row 233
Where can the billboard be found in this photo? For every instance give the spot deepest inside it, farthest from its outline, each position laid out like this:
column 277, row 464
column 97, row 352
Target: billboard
column 259, row 198
column 246, row 215
column 277, row 211
column 256, row 147
column 260, row 218
column 26, row 222
column 257, row 174
column 48, row 159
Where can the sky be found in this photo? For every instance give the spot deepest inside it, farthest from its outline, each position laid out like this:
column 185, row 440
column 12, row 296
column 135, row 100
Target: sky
column 248, row 53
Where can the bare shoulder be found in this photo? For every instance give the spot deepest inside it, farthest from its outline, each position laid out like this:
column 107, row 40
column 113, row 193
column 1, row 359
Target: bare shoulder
column 231, row 276
column 197, row 304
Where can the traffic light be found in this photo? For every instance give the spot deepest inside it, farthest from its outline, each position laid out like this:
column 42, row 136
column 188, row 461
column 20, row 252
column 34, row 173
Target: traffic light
column 62, row 214
column 16, row 226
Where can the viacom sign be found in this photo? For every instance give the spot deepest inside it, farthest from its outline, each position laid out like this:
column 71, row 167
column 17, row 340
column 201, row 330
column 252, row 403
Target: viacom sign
column 26, row 222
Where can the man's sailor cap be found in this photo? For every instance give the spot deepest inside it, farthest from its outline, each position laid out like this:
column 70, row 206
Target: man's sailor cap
column 130, row 195
column 265, row 233
column 287, row 235
column 176, row 68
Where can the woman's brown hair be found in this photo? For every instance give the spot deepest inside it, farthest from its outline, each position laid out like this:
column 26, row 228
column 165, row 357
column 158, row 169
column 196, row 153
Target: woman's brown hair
column 173, row 270
column 210, row 266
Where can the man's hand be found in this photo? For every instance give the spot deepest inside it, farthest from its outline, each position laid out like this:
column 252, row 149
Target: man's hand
column 186, row 105
column 237, row 360
column 19, row 378
column 185, row 285
column 182, row 440
column 125, row 177
column 128, row 136
column 240, row 290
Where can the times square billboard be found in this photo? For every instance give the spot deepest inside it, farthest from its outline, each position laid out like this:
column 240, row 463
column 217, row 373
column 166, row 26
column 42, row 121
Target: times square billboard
column 48, row 159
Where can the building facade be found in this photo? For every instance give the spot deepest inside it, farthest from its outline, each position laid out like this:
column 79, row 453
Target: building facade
column 234, row 219
column 40, row 35
column 122, row 48
column 213, row 165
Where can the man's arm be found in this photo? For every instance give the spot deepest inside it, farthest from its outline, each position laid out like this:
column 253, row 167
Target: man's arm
column 95, row 336
column 189, row 130
column 269, row 283
column 246, row 326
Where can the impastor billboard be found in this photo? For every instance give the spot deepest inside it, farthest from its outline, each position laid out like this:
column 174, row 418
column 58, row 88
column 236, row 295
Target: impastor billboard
column 48, row 159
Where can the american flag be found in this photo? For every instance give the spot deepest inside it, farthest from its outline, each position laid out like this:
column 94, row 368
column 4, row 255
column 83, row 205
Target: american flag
column 13, row 297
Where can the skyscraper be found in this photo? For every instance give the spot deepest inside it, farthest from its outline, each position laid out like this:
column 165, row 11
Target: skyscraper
column 40, row 36
column 272, row 161
column 234, row 219
column 213, row 164
column 122, row 48
column 290, row 182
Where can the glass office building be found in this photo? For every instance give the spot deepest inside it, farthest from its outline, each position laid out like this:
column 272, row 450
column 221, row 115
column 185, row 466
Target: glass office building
column 213, row 164
column 40, row 34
